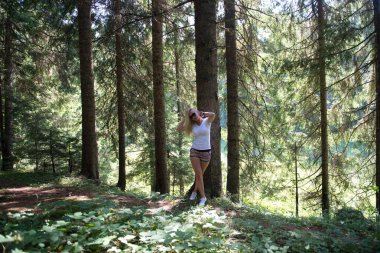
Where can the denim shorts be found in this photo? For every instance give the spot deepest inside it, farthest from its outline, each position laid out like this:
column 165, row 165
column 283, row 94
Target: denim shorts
column 204, row 156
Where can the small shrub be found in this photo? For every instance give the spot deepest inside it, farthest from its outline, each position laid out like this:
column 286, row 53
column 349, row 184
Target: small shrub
column 349, row 215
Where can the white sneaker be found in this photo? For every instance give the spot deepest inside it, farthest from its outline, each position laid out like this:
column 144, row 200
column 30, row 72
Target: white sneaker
column 202, row 202
column 193, row 195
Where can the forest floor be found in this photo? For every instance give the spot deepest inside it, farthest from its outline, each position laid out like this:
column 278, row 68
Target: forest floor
column 20, row 192
column 40, row 212
column 29, row 198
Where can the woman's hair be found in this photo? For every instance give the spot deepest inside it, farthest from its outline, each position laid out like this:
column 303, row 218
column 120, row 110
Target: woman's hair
column 188, row 124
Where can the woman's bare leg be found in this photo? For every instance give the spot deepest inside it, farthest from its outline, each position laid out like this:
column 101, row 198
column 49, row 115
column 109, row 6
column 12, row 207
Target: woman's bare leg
column 196, row 163
column 204, row 166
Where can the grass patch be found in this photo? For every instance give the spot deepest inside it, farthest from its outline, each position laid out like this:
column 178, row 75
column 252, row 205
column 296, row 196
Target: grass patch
column 26, row 178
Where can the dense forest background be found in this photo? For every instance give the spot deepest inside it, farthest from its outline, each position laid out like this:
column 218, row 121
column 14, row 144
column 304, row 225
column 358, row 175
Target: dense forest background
column 97, row 88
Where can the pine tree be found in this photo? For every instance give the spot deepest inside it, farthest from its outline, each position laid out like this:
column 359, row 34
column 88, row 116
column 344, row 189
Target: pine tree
column 323, row 106
column 376, row 6
column 7, row 138
column 233, row 181
column 207, row 86
column 120, row 94
column 89, row 143
column 162, row 179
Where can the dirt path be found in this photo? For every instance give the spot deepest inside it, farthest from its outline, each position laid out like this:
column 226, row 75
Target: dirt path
column 27, row 198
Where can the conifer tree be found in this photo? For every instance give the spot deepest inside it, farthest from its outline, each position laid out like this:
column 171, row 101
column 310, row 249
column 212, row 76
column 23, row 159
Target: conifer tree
column 321, row 52
column 89, row 144
column 7, row 138
column 162, row 179
column 207, row 86
column 233, row 181
column 120, row 94
column 376, row 6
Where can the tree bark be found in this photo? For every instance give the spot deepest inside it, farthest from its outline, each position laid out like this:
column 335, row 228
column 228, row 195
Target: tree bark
column 179, row 109
column 120, row 95
column 37, row 159
column 376, row 6
column 1, row 111
column 207, row 86
column 162, row 179
column 323, row 107
column 7, row 138
column 152, row 159
column 233, row 182
column 296, row 175
column 89, row 145
column 70, row 160
column 51, row 149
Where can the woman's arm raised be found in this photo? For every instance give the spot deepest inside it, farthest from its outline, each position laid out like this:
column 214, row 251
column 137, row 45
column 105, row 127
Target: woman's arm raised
column 181, row 125
column 210, row 116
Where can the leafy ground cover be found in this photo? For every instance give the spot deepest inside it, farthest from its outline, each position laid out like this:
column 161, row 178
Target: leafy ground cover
column 108, row 220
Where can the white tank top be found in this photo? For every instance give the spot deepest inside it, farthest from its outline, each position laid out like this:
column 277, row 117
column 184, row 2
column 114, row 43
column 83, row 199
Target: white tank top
column 202, row 135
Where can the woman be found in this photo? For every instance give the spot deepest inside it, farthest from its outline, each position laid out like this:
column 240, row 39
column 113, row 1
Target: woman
column 199, row 124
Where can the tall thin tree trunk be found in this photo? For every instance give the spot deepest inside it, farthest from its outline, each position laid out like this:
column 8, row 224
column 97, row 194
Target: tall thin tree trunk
column 179, row 109
column 181, row 185
column 174, row 180
column 1, row 111
column 207, row 86
column 7, row 137
column 70, row 160
column 150, row 141
column 323, row 107
column 151, row 151
column 37, row 159
column 89, row 145
column 233, row 181
column 376, row 6
column 296, row 175
column 51, row 152
column 162, row 179
column 120, row 95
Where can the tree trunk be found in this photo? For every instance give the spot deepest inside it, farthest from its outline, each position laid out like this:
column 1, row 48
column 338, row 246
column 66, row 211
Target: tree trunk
column 70, row 160
column 51, row 152
column 296, row 170
column 120, row 95
column 7, row 137
column 36, row 151
column 323, row 107
column 1, row 111
column 233, row 181
column 151, row 153
column 181, row 185
column 207, row 86
column 376, row 6
column 150, row 142
column 89, row 145
column 179, row 109
column 162, row 179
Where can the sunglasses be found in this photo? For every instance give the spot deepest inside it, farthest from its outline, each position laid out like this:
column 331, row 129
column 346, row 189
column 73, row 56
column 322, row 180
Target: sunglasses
column 192, row 115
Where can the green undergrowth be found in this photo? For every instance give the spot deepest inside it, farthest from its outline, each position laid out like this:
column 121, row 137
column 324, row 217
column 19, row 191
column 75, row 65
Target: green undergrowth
column 27, row 178
column 266, row 232
column 102, row 225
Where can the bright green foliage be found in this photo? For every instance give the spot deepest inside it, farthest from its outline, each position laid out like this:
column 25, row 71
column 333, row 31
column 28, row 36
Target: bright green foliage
column 102, row 225
column 265, row 232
